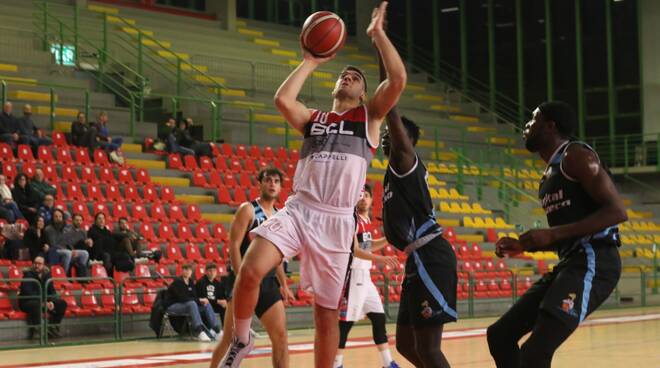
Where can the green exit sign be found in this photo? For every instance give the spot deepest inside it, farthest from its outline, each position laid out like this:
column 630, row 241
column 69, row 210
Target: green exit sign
column 64, row 54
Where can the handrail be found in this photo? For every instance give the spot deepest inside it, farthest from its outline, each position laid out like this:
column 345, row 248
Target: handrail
column 647, row 187
column 499, row 179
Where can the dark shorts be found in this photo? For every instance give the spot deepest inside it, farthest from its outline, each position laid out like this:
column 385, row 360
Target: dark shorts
column 269, row 293
column 576, row 287
column 428, row 295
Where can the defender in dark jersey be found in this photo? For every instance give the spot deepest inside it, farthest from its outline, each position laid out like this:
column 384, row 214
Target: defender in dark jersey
column 270, row 306
column 583, row 209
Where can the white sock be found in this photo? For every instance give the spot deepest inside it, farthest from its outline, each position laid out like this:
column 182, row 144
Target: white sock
column 339, row 359
column 242, row 329
column 386, row 357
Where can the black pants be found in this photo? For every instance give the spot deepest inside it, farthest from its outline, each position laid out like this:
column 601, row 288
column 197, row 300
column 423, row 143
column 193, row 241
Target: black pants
column 554, row 307
column 32, row 308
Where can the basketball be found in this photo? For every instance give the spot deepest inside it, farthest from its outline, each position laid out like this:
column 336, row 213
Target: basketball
column 323, row 34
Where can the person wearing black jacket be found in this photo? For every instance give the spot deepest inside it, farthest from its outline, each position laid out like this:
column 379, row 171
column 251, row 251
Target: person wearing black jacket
column 28, row 132
column 8, row 124
column 104, row 244
column 25, row 197
column 182, row 299
column 35, row 239
column 82, row 133
column 210, row 286
column 186, row 140
column 30, row 302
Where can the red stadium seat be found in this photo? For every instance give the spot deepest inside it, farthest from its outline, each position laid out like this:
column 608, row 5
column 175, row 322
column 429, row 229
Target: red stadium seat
column 94, row 193
column 149, row 194
column 240, row 151
column 131, row 303
column 142, row 272
column 140, row 213
column 149, row 297
column 142, row 176
column 192, row 253
column 172, row 254
column 205, row 163
column 101, row 157
column 158, row 213
column 70, row 175
column 202, row 233
column 235, row 166
column 106, row 176
column 166, row 233
column 125, row 177
column 167, row 194
column 227, row 150
column 200, row 269
column 219, row 233
column 194, row 214
column 230, row 181
column 101, row 276
column 131, row 194
column 224, row 197
column 63, row 155
column 7, row 310
column 44, row 154
column 148, row 233
column 221, row 164
column 88, row 175
column 282, row 154
column 72, row 308
column 239, row 197
column 15, row 273
column 50, row 173
column 28, row 168
column 199, row 180
column 89, row 302
column 119, row 210
column 190, row 163
column 73, row 192
column 184, row 233
column 108, row 299
column 25, row 153
column 6, row 152
column 81, row 155
column 176, row 214
column 245, row 181
column 113, row 194
column 268, row 153
column 174, row 161
column 212, row 253
column 215, row 180
column 249, row 165
column 59, row 139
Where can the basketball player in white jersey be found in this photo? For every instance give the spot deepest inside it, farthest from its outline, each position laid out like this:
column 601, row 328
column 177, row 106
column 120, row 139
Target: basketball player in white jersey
column 318, row 221
column 361, row 297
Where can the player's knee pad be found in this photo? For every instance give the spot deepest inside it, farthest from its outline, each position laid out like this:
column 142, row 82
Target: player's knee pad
column 344, row 328
column 378, row 327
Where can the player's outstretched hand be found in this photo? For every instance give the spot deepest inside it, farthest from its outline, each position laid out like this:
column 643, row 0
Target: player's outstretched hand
column 308, row 56
column 287, row 295
column 378, row 17
column 507, row 246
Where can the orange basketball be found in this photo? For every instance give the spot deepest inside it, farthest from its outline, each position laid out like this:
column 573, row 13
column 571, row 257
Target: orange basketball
column 323, row 33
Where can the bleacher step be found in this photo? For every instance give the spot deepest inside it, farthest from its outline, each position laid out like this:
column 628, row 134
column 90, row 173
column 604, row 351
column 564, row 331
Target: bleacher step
column 171, row 181
column 196, row 199
column 146, row 164
column 218, row 217
column 131, row 147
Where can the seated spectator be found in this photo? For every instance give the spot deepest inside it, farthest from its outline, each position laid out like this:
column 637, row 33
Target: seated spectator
column 25, row 197
column 211, row 287
column 47, row 208
column 104, row 244
column 109, row 144
column 8, row 125
column 35, row 239
column 30, row 302
column 169, row 137
column 181, row 298
column 82, row 134
column 185, row 139
column 62, row 239
column 135, row 245
column 29, row 133
column 40, row 186
column 8, row 201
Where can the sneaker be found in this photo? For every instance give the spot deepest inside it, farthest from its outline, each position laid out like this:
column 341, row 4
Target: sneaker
column 237, row 351
column 392, row 365
column 203, row 337
column 213, row 334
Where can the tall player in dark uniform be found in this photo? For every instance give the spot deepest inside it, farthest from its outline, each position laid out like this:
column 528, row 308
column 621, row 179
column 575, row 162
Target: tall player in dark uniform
column 583, row 209
column 428, row 297
column 270, row 306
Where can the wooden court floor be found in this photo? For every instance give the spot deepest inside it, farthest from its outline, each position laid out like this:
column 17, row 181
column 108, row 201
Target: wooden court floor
column 624, row 338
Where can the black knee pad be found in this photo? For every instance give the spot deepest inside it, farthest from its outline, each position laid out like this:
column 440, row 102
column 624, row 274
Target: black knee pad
column 378, row 327
column 344, row 328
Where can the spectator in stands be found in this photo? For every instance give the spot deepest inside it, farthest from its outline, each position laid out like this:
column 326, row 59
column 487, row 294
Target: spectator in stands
column 105, row 245
column 47, row 208
column 184, row 139
column 35, row 239
column 30, row 302
column 8, row 201
column 182, row 299
column 82, row 134
column 8, row 124
column 109, row 144
column 29, row 133
column 25, row 197
column 211, row 287
column 62, row 238
column 169, row 136
column 40, row 186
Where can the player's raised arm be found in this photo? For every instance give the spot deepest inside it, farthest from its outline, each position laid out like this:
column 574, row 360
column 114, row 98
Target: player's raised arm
column 286, row 97
column 388, row 92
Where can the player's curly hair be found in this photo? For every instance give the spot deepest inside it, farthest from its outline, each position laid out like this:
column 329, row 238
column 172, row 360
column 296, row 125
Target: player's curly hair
column 269, row 171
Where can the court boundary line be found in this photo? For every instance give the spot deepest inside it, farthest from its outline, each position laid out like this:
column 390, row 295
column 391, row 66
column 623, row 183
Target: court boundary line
column 299, row 347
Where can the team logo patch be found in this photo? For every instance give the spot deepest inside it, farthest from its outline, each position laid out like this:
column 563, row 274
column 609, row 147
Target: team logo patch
column 427, row 312
column 568, row 304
